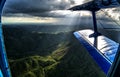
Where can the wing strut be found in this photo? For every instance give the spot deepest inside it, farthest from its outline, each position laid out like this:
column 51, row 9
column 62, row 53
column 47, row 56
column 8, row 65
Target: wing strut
column 95, row 24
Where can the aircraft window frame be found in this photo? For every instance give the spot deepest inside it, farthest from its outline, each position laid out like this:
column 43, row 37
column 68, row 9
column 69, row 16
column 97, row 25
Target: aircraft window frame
column 114, row 66
column 4, row 65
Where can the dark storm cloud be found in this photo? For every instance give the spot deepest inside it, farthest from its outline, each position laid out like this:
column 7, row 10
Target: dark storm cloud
column 35, row 6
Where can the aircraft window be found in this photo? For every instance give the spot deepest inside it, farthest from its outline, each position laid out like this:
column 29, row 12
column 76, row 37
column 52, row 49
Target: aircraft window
column 39, row 38
column 1, row 75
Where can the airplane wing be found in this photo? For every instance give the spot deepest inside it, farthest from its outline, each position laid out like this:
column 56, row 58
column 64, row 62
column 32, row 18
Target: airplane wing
column 107, row 3
column 101, row 48
column 96, row 5
column 86, row 6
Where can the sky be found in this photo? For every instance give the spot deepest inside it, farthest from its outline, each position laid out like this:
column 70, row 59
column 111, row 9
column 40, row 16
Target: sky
column 37, row 8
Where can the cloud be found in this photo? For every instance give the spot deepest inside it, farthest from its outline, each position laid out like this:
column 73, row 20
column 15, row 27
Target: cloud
column 35, row 6
column 55, row 14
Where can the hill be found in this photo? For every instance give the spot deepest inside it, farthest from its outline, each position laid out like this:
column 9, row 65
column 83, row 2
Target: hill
column 43, row 54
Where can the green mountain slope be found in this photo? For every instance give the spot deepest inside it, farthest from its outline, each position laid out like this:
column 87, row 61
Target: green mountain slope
column 37, row 54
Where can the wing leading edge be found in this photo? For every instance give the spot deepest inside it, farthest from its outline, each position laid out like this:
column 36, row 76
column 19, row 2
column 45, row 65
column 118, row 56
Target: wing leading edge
column 101, row 48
